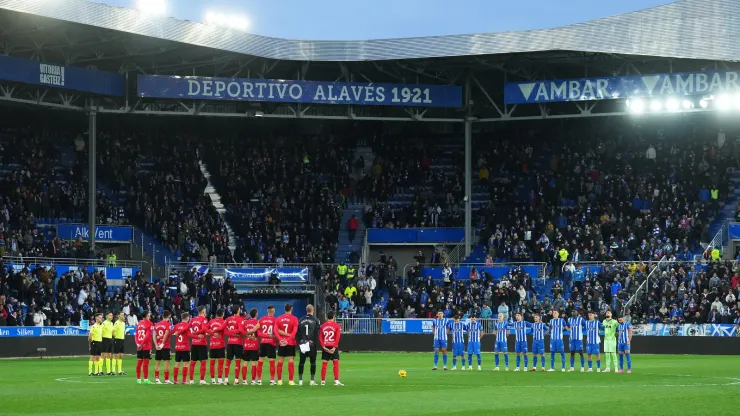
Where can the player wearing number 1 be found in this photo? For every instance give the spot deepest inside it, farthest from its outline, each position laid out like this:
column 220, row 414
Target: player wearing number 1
column 234, row 350
column 267, row 344
column 286, row 327
column 162, row 343
column 308, row 333
column 143, row 348
column 329, row 339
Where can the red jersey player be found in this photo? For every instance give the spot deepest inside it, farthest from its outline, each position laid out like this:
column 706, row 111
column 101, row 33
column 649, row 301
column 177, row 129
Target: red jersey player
column 182, row 346
column 267, row 344
column 329, row 340
column 234, row 328
column 251, row 346
column 286, row 326
column 162, row 335
column 216, row 329
column 143, row 347
column 199, row 349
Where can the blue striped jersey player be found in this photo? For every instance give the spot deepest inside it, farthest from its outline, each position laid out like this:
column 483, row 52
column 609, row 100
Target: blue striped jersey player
column 575, row 326
column 502, row 330
column 624, row 339
column 538, row 342
column 593, row 326
column 440, row 327
column 458, row 342
column 475, row 333
column 557, row 326
column 520, row 328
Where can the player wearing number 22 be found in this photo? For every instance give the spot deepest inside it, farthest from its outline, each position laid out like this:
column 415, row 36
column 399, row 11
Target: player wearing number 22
column 329, row 339
column 143, row 341
column 286, row 326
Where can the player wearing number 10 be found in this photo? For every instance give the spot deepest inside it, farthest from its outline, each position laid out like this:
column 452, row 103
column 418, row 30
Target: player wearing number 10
column 286, row 327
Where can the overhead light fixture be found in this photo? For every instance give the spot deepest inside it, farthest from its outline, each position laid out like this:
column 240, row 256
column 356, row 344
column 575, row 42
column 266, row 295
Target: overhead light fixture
column 703, row 103
column 258, row 114
column 636, row 105
column 687, row 104
column 672, row 104
column 723, row 102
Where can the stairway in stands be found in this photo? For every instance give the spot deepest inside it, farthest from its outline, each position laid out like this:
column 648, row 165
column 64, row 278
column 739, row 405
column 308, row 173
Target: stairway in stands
column 344, row 247
column 216, row 202
column 727, row 210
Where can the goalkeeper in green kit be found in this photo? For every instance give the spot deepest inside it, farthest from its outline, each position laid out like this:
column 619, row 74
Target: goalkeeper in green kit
column 610, row 341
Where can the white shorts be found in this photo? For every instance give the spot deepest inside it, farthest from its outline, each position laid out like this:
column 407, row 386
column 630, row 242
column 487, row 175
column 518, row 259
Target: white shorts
column 610, row 345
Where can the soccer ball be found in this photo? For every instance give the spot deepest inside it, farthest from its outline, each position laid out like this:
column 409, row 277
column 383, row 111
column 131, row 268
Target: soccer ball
column 402, row 373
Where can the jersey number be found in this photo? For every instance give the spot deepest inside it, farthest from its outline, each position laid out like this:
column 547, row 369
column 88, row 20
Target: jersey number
column 285, row 328
column 306, row 330
column 231, row 327
column 141, row 334
column 160, row 333
column 267, row 330
column 328, row 336
column 179, row 338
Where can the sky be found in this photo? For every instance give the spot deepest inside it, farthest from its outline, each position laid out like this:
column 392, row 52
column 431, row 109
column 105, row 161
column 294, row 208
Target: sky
column 375, row 19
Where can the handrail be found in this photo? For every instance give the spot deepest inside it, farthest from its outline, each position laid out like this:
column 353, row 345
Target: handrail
column 477, row 266
column 71, row 261
column 643, row 286
column 455, row 255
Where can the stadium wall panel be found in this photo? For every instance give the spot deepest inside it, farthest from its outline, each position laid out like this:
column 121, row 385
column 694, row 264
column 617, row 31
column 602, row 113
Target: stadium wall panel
column 26, row 347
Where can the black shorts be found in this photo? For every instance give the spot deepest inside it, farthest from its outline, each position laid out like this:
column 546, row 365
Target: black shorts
column 311, row 355
column 117, row 346
column 325, row 356
column 218, row 353
column 286, row 351
column 95, row 348
column 234, row 351
column 198, row 353
column 163, row 355
column 182, row 356
column 251, row 355
column 144, row 354
column 107, row 346
column 267, row 350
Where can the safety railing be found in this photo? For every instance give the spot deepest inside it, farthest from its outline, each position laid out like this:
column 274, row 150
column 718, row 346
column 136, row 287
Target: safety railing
column 642, row 289
column 360, row 325
column 497, row 270
column 457, row 254
column 50, row 261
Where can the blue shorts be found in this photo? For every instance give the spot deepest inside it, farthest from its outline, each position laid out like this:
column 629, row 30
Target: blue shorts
column 458, row 350
column 623, row 347
column 538, row 347
column 593, row 349
column 576, row 345
column 440, row 343
column 501, row 347
column 473, row 347
column 556, row 345
column 520, row 347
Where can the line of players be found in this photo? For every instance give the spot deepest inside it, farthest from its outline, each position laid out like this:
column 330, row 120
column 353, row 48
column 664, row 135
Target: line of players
column 613, row 329
column 250, row 341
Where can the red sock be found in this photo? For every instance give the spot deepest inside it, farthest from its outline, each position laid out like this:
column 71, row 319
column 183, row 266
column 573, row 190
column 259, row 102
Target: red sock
column 177, row 371
column 254, row 371
column 237, row 369
column 245, row 368
column 156, row 373
column 272, row 370
column 192, row 370
column 138, row 369
column 185, row 374
column 166, row 375
column 227, row 367
column 259, row 368
column 291, row 370
column 323, row 370
column 336, row 369
column 213, row 368
column 221, row 368
column 145, row 363
column 279, row 371
column 203, row 370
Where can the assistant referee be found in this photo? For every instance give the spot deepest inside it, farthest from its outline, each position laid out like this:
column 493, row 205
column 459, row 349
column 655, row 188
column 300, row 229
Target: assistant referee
column 107, row 348
column 96, row 339
column 119, row 333
column 308, row 332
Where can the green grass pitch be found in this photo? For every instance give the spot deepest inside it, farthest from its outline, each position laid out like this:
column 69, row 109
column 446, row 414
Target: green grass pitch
column 659, row 385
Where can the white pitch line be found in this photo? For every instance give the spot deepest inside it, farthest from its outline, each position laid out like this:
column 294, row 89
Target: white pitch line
column 69, row 380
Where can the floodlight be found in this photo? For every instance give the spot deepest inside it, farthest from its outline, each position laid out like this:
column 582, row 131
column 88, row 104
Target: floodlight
column 636, row 105
column 687, row 104
column 152, row 7
column 723, row 102
column 703, row 103
column 672, row 104
column 656, row 105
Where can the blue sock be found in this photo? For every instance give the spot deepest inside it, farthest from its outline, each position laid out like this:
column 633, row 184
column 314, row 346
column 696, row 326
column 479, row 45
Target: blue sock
column 562, row 358
column 518, row 361
column 470, row 359
column 629, row 361
column 454, row 362
column 498, row 360
column 582, row 362
column 552, row 361
column 543, row 361
column 506, row 360
column 436, row 358
column 598, row 363
column 572, row 361
column 534, row 361
column 590, row 364
column 480, row 361
column 444, row 360
column 621, row 361
column 526, row 361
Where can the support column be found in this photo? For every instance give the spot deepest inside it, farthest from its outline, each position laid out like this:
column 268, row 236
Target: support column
column 468, row 173
column 92, row 133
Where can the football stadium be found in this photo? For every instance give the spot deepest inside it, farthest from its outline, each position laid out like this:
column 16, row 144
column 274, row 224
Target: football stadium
column 198, row 219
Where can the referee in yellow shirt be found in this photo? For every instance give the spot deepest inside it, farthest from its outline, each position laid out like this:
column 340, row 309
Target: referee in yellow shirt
column 108, row 341
column 119, row 332
column 95, row 337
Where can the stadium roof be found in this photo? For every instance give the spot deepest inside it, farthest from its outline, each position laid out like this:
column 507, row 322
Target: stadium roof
column 689, row 29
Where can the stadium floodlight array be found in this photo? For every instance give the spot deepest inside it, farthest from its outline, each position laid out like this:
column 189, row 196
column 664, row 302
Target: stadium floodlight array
column 721, row 102
column 152, row 7
column 226, row 20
